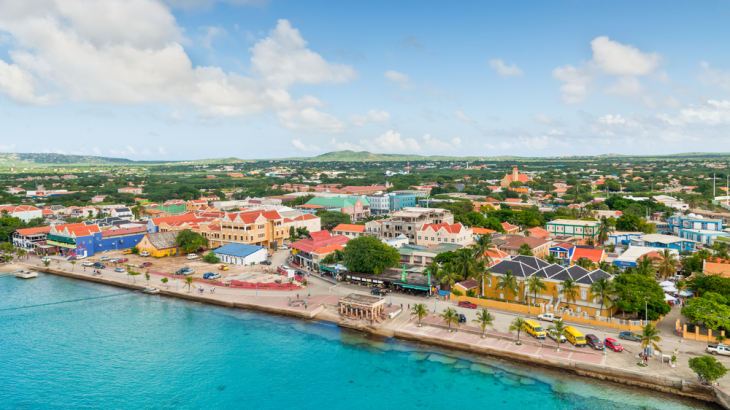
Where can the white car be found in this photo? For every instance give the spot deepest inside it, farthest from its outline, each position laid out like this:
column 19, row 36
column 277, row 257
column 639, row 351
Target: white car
column 88, row 263
column 80, row 257
column 144, row 253
column 192, row 256
column 45, row 259
column 554, row 335
column 283, row 248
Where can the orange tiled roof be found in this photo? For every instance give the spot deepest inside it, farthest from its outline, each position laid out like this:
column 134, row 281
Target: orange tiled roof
column 349, row 228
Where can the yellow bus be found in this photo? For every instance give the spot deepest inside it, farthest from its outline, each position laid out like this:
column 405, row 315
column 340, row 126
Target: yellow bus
column 534, row 329
column 575, row 337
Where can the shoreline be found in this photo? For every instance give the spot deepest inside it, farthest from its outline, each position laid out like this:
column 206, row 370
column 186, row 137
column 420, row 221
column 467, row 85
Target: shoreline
column 667, row 385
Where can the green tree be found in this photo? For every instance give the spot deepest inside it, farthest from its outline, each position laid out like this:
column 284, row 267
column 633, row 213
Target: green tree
column 484, row 318
column 569, row 289
column 585, row 263
column 711, row 309
column 519, row 325
column 481, row 273
column 73, row 265
column 526, row 250
column 632, row 288
column 450, row 316
column 645, row 266
column 368, row 254
column 603, row 289
column 649, row 337
column 330, row 219
column 147, row 277
column 420, row 310
column 211, row 257
column 551, row 258
column 190, row 241
column 164, row 281
column 482, row 245
column 559, row 328
column 535, row 285
column 292, row 232
column 465, row 263
column 449, row 275
column 603, row 230
column 133, row 274
column 46, row 263
column 189, row 283
column 667, row 263
column 508, row 283
column 708, row 368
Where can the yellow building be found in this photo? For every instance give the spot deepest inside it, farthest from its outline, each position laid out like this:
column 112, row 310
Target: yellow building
column 159, row 244
column 262, row 228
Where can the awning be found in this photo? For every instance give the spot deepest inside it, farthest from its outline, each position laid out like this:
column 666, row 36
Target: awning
column 62, row 239
column 425, row 288
column 62, row 245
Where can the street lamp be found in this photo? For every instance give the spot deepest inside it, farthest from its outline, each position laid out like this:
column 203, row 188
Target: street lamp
column 604, row 343
column 646, row 305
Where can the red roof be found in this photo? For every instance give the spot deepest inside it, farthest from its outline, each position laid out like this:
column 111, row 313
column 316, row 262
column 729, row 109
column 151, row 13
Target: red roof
column 508, row 227
column 349, row 228
column 593, row 255
column 540, row 233
column 123, row 231
column 513, row 200
column 20, row 208
column 176, row 218
column 455, row 228
column 563, row 245
column 328, row 249
column 318, row 240
column 33, row 231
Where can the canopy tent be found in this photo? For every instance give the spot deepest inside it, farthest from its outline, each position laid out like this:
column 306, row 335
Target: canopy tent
column 666, row 283
column 670, row 290
column 668, row 298
column 685, row 293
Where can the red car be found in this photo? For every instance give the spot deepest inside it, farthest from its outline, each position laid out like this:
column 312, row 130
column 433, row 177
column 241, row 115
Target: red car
column 613, row 345
column 146, row 264
column 467, row 305
column 122, row 260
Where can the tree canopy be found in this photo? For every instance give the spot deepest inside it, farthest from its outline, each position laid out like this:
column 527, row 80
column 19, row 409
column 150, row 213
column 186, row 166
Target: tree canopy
column 368, row 254
column 710, row 309
column 330, row 219
column 631, row 288
column 190, row 241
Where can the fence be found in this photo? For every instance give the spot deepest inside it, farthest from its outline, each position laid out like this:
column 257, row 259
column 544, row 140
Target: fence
column 709, row 338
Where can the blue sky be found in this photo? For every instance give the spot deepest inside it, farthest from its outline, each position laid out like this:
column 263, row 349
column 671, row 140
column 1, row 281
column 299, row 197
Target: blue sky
column 188, row 79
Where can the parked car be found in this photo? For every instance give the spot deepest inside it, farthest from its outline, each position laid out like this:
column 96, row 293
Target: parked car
column 185, row 271
column 379, row 292
column 120, row 270
column 223, row 267
column 549, row 317
column 113, row 260
column 99, row 265
column 79, row 257
column 462, row 318
column 144, row 253
column 87, row 263
column 715, row 349
column 122, row 260
column 468, row 305
column 145, row 265
column 45, row 259
column 192, row 256
column 283, row 248
column 104, row 258
column 554, row 335
column 629, row 336
column 594, row 342
column 266, row 262
column 127, row 252
column 211, row 275
column 614, row 345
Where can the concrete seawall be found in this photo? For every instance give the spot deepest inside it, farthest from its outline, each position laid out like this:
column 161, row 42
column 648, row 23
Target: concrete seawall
column 669, row 385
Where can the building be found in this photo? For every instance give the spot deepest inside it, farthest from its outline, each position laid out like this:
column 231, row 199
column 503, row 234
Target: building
column 563, row 252
column 351, row 231
column 423, row 255
column 665, row 241
column 509, row 228
column 88, row 240
column 241, row 254
column 311, row 223
column 586, row 230
column 130, row 190
column 409, row 221
column 24, row 212
column 622, row 237
column 514, row 177
column 629, row 258
column 716, row 266
column 153, row 225
column 160, row 244
column 596, row 256
column 433, row 234
column 31, row 238
column 98, row 198
column 351, row 206
column 696, row 228
column 196, row 204
column 302, row 250
column 538, row 247
column 124, row 213
column 540, row 233
column 261, row 228
column 523, row 267
column 476, row 232
column 362, row 306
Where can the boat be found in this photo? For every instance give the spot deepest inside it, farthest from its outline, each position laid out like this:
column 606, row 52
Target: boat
column 26, row 275
column 150, row 290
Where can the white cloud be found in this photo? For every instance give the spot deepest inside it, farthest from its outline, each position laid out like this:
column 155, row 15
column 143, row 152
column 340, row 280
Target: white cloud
column 339, row 146
column 7, row 147
column 96, row 151
column 392, row 142
column 462, row 117
column 555, row 132
column 403, row 80
column 713, row 113
column 438, row 145
column 298, row 144
column 128, row 150
column 541, row 118
column 208, row 3
column 714, row 76
column 504, row 70
column 310, row 120
column 131, row 52
column 610, row 58
column 371, row 116
column 161, row 151
column 610, row 119
column 210, row 33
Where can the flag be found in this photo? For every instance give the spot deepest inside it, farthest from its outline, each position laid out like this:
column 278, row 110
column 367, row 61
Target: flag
column 403, row 276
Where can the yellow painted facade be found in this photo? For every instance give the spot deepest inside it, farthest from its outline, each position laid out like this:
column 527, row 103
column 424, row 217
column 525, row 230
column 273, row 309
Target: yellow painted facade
column 146, row 245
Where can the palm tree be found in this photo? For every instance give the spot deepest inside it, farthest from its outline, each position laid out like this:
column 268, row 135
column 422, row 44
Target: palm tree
column 645, row 266
column 188, row 283
column 420, row 310
column 607, row 267
column 681, row 285
column 559, row 328
column 518, row 324
column 482, row 246
column 482, row 272
column 603, row 230
column 526, row 250
column 164, row 281
column 450, row 316
column 147, row 276
column 649, row 337
column 585, row 263
column 569, row 290
column 73, row 265
column 464, row 263
column 551, row 258
column 604, row 289
column 484, row 319
column 535, row 285
column 449, row 276
column 667, row 263
column 21, row 252
column 508, row 282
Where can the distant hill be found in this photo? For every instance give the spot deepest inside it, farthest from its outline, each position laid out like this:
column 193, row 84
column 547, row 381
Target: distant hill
column 50, row 159
column 364, row 156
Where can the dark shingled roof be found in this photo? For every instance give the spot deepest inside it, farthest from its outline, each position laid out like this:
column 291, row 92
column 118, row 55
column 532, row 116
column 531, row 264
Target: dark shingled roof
column 531, row 261
column 518, row 269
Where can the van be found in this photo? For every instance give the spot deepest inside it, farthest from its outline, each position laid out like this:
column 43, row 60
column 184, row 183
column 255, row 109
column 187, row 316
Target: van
column 534, row 329
column 192, row 256
column 575, row 337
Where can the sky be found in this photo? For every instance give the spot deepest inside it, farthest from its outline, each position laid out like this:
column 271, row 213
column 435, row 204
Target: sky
column 257, row 79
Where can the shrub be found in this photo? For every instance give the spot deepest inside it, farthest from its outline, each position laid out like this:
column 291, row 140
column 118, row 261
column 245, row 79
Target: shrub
column 456, row 292
column 135, row 250
column 471, row 293
column 211, row 257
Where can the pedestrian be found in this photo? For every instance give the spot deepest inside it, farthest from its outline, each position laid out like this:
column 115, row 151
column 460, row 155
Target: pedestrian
column 401, row 306
column 297, row 296
column 409, row 306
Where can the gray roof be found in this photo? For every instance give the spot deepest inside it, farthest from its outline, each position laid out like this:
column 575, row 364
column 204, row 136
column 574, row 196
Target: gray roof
column 163, row 240
column 522, row 267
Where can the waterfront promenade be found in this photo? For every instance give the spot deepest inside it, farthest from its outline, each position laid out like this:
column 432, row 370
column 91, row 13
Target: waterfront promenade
column 321, row 300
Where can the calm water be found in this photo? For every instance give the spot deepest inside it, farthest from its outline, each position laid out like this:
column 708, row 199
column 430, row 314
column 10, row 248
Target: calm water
column 123, row 350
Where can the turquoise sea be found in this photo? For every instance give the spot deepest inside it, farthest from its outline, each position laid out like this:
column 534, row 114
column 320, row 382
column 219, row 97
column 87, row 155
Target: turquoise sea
column 109, row 348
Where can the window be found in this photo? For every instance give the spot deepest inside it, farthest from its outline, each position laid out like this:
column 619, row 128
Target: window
column 583, row 294
column 452, row 240
column 501, row 295
column 419, row 238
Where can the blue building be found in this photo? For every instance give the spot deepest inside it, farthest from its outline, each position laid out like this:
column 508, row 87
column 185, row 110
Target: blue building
column 623, row 238
column 665, row 242
column 400, row 201
column 88, row 240
column 241, row 254
column 562, row 251
column 696, row 228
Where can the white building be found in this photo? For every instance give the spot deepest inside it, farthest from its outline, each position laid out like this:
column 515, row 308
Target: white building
column 241, row 254
column 24, row 212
